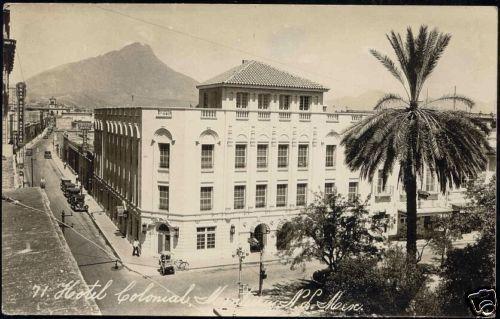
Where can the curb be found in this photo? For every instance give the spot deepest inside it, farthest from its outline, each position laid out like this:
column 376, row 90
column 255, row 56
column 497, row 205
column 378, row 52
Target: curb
column 94, row 222
column 65, row 246
column 104, row 236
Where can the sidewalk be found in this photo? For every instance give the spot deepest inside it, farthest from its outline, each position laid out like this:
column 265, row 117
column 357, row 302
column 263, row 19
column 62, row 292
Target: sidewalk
column 145, row 264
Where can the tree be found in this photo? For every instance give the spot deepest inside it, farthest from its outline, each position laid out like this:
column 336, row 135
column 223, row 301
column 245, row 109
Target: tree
column 408, row 132
column 332, row 229
column 467, row 269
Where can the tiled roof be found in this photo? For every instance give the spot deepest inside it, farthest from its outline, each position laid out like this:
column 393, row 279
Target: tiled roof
column 259, row 74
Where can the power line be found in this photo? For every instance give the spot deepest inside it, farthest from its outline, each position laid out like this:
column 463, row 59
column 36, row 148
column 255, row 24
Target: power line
column 171, row 29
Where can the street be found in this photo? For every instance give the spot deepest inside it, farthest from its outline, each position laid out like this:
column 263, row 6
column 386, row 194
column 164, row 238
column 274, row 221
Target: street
column 97, row 265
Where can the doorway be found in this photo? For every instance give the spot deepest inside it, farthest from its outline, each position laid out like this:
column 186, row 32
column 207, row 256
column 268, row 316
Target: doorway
column 163, row 238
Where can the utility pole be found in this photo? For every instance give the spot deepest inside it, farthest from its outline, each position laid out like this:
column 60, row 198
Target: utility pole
column 262, row 271
column 63, row 226
column 32, row 175
column 63, row 223
column 454, row 96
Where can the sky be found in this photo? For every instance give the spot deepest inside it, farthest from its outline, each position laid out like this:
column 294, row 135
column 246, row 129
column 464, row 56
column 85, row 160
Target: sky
column 327, row 44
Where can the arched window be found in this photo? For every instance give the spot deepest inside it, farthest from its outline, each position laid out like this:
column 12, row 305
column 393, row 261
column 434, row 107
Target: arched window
column 260, row 238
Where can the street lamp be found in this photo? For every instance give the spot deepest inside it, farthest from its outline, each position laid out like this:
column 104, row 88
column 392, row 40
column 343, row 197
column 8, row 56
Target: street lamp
column 241, row 255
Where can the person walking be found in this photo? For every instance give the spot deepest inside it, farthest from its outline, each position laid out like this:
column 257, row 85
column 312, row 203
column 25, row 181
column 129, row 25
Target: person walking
column 135, row 244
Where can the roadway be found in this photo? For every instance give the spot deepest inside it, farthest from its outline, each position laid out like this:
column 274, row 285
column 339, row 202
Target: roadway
column 98, row 265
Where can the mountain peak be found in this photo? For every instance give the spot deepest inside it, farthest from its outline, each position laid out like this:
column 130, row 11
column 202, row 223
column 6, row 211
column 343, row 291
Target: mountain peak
column 136, row 46
column 112, row 78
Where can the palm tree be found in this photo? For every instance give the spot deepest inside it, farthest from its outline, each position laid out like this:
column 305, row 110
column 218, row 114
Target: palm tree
column 412, row 133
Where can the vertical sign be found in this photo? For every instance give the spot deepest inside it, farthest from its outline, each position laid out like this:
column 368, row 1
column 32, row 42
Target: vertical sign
column 84, row 126
column 21, row 94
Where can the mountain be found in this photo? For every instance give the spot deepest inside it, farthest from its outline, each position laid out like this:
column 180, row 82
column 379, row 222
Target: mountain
column 112, row 78
column 367, row 100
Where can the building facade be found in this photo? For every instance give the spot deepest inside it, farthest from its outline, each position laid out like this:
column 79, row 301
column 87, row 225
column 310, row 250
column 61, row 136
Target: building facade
column 80, row 159
column 8, row 53
column 199, row 182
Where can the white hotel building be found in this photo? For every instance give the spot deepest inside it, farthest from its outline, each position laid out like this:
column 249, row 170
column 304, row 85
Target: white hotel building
column 199, row 182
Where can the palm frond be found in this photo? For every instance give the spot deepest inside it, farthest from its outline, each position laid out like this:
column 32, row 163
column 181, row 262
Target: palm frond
column 457, row 98
column 388, row 99
column 389, row 65
column 435, row 53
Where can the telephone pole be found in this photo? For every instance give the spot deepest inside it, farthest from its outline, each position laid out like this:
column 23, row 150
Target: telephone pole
column 454, row 96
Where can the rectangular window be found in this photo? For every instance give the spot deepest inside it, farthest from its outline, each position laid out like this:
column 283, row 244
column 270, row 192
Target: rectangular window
column 240, row 158
column 305, row 102
column 260, row 196
column 353, row 191
column 281, row 195
column 264, row 101
column 241, row 100
column 163, row 197
column 329, row 189
column 380, row 187
column 429, row 181
column 207, row 156
column 303, row 155
column 282, row 155
column 284, row 102
column 239, row 197
column 206, row 194
column 164, row 155
column 301, row 194
column 331, row 155
column 262, row 156
column 205, row 237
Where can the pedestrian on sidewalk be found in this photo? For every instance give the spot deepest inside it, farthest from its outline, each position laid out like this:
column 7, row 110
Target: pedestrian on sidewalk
column 65, row 165
column 135, row 252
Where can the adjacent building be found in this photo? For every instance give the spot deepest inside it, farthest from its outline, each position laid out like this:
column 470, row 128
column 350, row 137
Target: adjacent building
column 8, row 53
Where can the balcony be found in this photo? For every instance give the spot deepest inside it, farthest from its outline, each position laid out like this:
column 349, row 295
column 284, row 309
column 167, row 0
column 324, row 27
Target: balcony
column 242, row 115
column 264, row 116
column 209, row 114
column 356, row 118
column 164, row 114
column 332, row 118
column 284, row 116
column 305, row 117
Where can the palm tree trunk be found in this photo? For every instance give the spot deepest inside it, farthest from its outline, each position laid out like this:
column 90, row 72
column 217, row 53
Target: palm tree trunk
column 411, row 219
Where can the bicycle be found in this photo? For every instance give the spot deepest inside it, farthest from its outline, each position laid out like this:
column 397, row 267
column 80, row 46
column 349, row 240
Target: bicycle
column 181, row 264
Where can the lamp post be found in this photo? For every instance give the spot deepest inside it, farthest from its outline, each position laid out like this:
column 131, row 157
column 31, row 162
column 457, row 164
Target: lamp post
column 241, row 255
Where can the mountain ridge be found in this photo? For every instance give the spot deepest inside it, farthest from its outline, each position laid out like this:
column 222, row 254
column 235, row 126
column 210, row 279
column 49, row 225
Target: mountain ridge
column 113, row 78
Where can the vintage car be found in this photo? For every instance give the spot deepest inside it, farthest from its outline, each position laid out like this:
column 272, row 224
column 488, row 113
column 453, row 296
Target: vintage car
column 70, row 191
column 64, row 183
column 79, row 206
column 76, row 198
column 47, row 155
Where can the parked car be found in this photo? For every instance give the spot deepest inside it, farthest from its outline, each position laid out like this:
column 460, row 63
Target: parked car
column 64, row 182
column 74, row 198
column 47, row 154
column 79, row 207
column 71, row 191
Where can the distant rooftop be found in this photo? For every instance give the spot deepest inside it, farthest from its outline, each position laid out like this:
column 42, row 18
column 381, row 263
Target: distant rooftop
column 255, row 73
